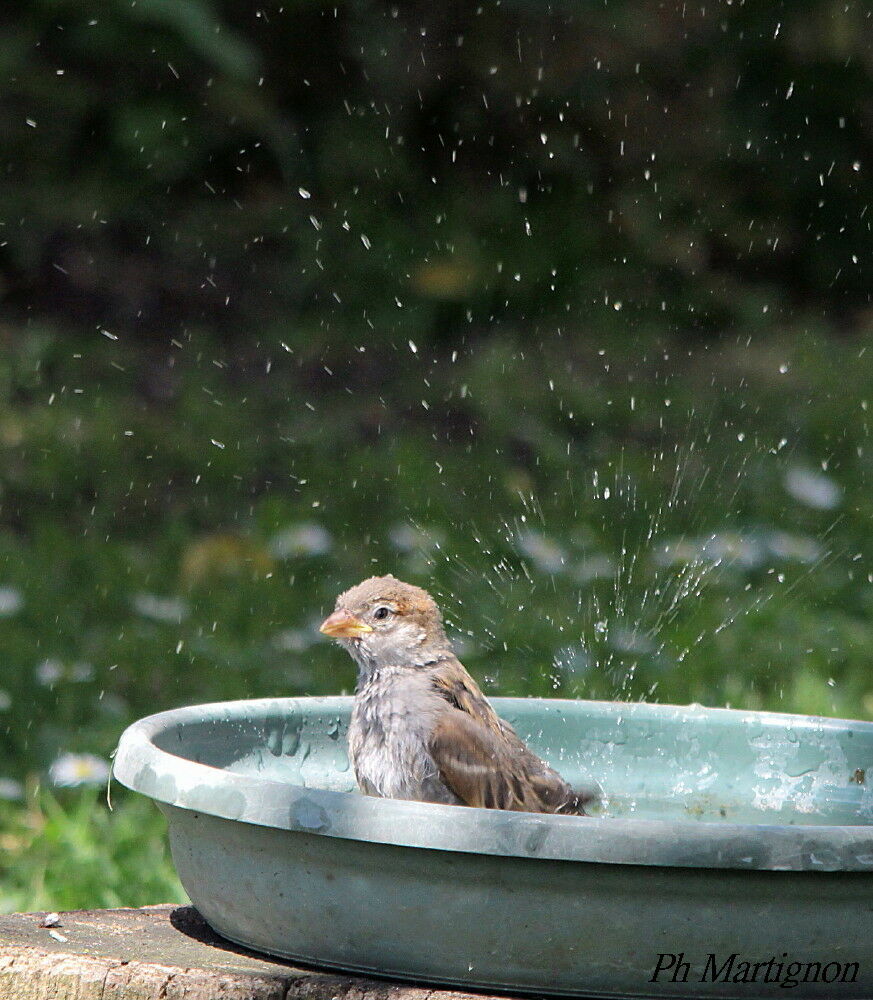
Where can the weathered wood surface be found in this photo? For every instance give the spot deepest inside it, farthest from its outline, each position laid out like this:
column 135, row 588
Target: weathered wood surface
column 163, row 953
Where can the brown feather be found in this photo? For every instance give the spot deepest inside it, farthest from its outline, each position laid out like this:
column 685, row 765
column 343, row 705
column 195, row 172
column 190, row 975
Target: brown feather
column 453, row 682
column 481, row 758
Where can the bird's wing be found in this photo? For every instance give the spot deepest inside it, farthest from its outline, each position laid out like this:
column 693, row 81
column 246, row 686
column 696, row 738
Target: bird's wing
column 482, row 760
column 484, row 770
column 453, row 683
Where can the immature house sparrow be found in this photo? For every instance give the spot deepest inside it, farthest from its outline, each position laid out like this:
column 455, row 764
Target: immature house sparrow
column 421, row 728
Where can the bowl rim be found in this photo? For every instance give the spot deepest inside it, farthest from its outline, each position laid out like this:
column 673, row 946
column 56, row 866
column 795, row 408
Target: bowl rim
column 177, row 781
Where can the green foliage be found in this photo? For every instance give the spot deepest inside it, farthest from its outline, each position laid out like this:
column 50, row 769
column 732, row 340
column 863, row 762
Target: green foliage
column 66, row 852
column 491, row 163
column 606, row 519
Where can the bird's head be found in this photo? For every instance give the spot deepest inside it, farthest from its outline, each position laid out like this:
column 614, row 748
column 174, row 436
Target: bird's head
column 384, row 622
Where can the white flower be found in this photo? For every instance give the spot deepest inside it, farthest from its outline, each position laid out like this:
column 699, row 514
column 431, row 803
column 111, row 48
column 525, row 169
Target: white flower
column 409, row 538
column 722, row 547
column 72, row 769
column 11, row 790
column 11, row 601
column 745, row 551
column 542, row 551
column 295, row 640
column 630, row 641
column 730, row 547
column 593, row 567
column 114, row 705
column 81, row 672
column 49, row 672
column 677, row 551
column 305, row 539
column 172, row 610
column 5, row 700
column 800, row 548
column 814, row 489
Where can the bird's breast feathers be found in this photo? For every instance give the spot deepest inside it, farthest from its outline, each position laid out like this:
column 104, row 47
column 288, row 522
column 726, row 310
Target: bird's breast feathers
column 388, row 734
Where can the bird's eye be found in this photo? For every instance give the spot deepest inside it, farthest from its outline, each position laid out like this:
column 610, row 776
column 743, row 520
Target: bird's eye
column 381, row 613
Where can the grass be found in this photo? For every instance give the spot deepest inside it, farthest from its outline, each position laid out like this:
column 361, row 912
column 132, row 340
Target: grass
column 66, row 852
column 600, row 515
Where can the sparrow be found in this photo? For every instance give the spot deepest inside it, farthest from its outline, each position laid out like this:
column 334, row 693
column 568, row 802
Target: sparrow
column 421, row 728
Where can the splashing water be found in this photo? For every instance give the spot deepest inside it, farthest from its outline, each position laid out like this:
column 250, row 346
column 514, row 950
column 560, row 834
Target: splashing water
column 626, row 590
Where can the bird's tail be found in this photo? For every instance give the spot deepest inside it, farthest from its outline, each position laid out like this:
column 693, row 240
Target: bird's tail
column 582, row 801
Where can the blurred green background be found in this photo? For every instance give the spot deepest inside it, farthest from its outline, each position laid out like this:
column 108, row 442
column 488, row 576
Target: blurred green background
column 561, row 311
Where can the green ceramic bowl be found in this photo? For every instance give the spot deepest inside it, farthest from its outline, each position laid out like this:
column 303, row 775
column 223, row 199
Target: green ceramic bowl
column 733, row 853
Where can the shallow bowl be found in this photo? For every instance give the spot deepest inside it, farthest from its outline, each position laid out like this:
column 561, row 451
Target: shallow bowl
column 732, row 856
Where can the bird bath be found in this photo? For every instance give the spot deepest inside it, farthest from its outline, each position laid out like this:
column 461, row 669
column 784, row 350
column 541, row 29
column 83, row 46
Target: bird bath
column 733, row 848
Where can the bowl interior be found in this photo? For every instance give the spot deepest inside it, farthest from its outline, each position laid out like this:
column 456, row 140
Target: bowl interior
column 651, row 761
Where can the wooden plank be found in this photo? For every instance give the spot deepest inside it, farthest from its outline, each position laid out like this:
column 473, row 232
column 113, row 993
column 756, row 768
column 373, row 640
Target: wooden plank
column 163, row 953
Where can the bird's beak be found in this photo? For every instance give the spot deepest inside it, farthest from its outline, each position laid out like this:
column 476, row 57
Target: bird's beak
column 342, row 625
